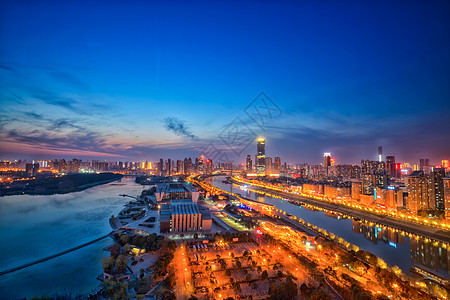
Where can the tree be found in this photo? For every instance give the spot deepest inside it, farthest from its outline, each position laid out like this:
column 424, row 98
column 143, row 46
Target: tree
column 248, row 277
column 108, row 264
column 126, row 248
column 124, row 239
column 115, row 251
column 238, row 264
column 259, row 269
column 264, row 274
column 284, row 291
column 121, row 263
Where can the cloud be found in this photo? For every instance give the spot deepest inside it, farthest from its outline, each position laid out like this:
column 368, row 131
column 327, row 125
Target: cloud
column 59, row 101
column 7, row 68
column 178, row 128
column 69, row 78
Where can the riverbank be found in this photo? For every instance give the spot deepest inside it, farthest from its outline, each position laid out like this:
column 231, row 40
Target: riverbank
column 58, row 184
column 432, row 233
column 36, row 226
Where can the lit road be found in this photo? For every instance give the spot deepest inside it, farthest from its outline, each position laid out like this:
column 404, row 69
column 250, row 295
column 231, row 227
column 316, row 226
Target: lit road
column 423, row 230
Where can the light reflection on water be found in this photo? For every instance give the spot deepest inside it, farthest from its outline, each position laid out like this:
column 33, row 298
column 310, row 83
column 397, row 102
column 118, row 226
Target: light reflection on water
column 391, row 246
column 37, row 226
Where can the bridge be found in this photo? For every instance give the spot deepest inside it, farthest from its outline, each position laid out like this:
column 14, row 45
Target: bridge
column 54, row 255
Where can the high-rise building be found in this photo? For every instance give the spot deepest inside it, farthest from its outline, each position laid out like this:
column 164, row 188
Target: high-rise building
column 326, row 162
column 445, row 163
column 169, row 166
column 32, row 169
column 423, row 163
column 248, row 164
column 437, row 189
column 380, row 154
column 277, row 165
column 208, row 166
column 446, row 184
column 161, row 167
column 418, row 192
column 268, row 162
column 261, row 156
column 373, row 175
column 200, row 165
column 390, row 166
column 180, row 166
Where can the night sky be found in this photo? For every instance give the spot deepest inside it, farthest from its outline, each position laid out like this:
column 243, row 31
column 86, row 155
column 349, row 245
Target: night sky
column 116, row 81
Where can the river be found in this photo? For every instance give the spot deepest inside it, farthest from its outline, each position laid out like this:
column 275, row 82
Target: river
column 391, row 246
column 34, row 227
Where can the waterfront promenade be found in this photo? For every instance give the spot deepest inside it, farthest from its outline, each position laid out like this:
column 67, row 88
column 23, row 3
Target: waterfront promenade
column 418, row 229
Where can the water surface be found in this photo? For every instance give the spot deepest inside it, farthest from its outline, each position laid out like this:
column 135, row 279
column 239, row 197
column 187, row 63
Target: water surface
column 34, row 227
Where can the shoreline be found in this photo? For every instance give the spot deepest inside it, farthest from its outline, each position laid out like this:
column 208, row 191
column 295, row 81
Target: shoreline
column 55, row 188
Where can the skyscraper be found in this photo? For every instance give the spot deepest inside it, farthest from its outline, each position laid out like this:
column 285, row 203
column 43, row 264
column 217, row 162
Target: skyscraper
column 417, row 192
column 380, row 154
column 326, row 162
column 169, row 166
column 268, row 161
column 437, row 189
column 248, row 163
column 277, row 165
column 161, row 167
column 373, row 175
column 390, row 166
column 446, row 183
column 260, row 156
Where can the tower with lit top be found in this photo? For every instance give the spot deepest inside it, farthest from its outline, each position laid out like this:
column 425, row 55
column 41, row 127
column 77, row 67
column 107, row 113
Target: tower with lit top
column 261, row 156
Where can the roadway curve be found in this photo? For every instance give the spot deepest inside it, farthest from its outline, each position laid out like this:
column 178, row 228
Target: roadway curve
column 422, row 230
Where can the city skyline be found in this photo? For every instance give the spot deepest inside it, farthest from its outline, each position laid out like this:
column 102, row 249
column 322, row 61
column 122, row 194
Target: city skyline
column 165, row 82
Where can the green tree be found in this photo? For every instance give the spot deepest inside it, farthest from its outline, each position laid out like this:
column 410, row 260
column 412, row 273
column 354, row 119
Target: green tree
column 121, row 263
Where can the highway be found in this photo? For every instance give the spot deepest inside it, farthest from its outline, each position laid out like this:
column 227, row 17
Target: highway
column 422, row 230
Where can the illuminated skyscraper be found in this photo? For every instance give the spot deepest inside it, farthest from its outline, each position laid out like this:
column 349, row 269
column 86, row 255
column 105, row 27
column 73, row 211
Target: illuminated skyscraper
column 248, row 163
column 326, row 162
column 373, row 175
column 261, row 156
column 417, row 192
column 277, row 165
column 268, row 161
column 446, row 183
column 436, row 189
column 380, row 154
column 390, row 166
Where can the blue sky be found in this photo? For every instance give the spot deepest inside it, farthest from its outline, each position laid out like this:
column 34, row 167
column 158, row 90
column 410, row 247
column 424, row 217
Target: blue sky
column 143, row 80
